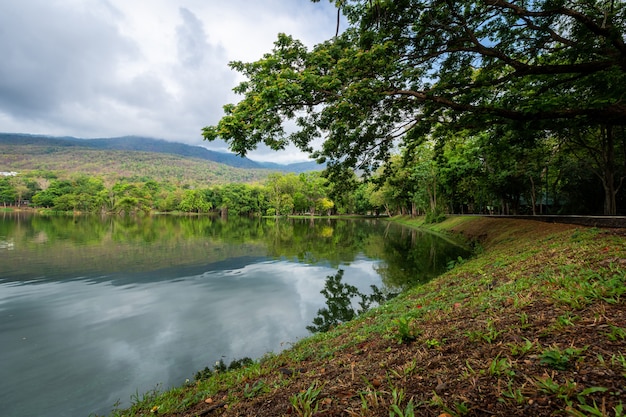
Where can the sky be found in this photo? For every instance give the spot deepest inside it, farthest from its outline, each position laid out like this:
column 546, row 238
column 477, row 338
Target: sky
column 155, row 68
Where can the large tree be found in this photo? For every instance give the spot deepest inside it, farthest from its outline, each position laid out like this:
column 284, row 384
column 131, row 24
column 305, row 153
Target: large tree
column 403, row 67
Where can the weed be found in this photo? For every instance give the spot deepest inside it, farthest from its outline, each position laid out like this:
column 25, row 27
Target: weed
column 305, row 403
column 409, row 368
column 559, row 359
column 619, row 360
column 406, row 332
column 521, row 349
column 461, row 409
column 433, row 343
column 583, row 403
column 567, row 319
column 455, row 262
column 616, row 333
column 500, row 366
column 578, row 288
column 489, row 335
column 469, row 371
column 251, row 391
column 369, row 397
column 397, row 398
column 550, row 386
column 514, row 394
column 523, row 317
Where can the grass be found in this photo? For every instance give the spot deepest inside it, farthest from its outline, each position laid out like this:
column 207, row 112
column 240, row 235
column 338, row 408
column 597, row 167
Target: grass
column 534, row 324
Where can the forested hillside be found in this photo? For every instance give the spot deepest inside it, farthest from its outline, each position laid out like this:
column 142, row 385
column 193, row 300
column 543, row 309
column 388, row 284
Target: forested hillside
column 143, row 144
column 114, row 164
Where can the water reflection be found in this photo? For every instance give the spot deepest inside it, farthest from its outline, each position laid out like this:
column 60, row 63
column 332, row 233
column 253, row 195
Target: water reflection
column 93, row 310
column 340, row 302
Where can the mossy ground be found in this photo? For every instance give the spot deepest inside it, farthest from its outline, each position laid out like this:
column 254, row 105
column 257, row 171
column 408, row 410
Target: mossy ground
column 534, row 324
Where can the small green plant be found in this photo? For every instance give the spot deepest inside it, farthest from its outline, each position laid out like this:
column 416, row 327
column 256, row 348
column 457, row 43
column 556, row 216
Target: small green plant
column 616, row 333
column 369, row 397
column 500, row 366
column 395, row 409
column 461, row 409
column 559, row 359
column 619, row 360
column 489, row 335
column 563, row 392
column 523, row 318
column 521, row 349
column 251, row 391
column 567, row 319
column 305, row 403
column 406, row 332
column 407, row 370
column 455, row 262
column 433, row 343
column 594, row 410
column 513, row 394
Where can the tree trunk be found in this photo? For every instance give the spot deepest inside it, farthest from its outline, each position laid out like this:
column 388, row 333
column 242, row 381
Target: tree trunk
column 533, row 196
column 608, row 171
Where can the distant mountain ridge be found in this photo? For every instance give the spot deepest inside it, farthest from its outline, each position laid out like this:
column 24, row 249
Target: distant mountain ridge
column 144, row 144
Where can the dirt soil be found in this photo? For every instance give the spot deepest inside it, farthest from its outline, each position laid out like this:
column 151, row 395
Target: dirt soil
column 475, row 360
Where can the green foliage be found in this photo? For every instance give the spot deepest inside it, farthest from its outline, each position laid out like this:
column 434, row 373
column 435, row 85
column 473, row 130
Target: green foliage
column 500, row 366
column 395, row 408
column 406, row 331
column 559, row 359
column 256, row 389
column 417, row 70
column 489, row 334
column 305, row 404
column 8, row 193
column 616, row 333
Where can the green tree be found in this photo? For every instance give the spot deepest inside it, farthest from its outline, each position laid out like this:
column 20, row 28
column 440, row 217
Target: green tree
column 46, row 198
column 313, row 187
column 402, row 69
column 126, row 197
column 194, row 201
column 8, row 193
column 281, row 189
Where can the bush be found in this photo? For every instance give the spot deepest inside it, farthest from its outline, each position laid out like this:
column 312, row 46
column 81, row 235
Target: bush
column 436, row 216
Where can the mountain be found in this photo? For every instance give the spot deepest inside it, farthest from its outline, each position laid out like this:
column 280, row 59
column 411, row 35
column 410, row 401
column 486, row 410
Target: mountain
column 143, row 144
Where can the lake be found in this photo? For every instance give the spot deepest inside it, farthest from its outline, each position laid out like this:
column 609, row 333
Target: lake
column 94, row 310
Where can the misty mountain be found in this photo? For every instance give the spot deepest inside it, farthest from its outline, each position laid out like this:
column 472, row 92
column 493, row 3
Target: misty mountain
column 143, row 144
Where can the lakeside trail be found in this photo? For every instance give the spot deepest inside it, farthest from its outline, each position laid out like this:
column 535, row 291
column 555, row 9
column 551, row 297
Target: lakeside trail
column 533, row 325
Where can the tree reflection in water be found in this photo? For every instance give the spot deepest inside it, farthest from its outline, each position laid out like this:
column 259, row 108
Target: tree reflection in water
column 339, row 303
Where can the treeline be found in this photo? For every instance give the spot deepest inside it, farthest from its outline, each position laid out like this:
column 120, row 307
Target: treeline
column 498, row 172
column 472, row 174
column 280, row 194
column 111, row 164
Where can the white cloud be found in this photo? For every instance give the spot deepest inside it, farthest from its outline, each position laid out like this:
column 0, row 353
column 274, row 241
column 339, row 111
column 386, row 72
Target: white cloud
column 158, row 68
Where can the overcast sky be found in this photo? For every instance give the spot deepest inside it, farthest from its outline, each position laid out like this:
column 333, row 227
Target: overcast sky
column 156, row 68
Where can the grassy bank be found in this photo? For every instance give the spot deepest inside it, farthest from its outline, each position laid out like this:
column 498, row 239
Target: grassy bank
column 534, row 324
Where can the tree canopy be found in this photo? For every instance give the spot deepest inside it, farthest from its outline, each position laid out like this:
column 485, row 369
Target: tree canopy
column 407, row 70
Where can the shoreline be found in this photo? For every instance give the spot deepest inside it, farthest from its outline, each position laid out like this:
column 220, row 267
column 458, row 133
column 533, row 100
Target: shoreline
column 534, row 324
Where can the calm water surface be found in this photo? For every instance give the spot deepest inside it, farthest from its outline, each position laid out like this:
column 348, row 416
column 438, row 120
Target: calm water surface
column 94, row 310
